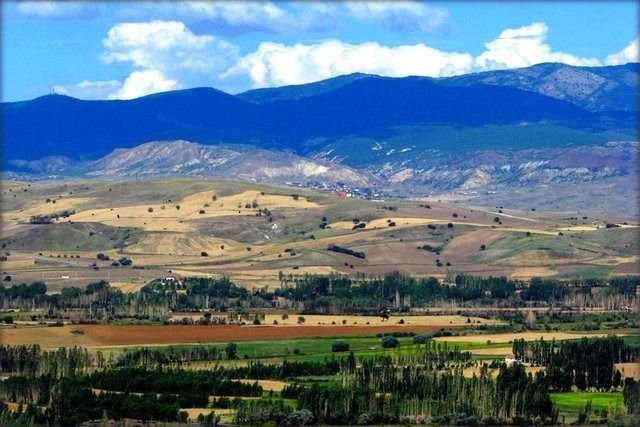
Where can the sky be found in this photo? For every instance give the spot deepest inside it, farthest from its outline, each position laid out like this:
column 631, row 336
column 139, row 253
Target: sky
column 124, row 50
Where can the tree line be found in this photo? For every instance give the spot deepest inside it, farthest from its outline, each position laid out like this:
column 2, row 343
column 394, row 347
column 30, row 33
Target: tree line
column 320, row 294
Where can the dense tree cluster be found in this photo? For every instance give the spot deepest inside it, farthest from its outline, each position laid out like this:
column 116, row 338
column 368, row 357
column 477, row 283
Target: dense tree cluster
column 48, row 218
column 585, row 364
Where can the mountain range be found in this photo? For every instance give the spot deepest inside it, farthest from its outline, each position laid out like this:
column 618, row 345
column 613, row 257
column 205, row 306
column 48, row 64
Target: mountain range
column 536, row 125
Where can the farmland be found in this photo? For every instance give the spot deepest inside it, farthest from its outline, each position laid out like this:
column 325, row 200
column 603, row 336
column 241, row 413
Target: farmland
column 249, row 300
column 250, row 233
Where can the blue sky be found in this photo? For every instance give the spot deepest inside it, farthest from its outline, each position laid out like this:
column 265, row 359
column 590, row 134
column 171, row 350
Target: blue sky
column 122, row 50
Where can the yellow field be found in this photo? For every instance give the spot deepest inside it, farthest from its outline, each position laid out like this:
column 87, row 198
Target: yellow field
column 46, row 337
column 528, row 336
column 382, row 223
column 167, row 216
column 326, row 320
column 629, row 370
column 529, row 272
column 268, row 384
column 40, row 207
column 181, row 244
column 127, row 287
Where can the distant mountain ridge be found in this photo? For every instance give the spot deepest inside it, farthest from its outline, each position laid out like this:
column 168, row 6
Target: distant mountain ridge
column 545, row 125
column 612, row 88
column 306, row 118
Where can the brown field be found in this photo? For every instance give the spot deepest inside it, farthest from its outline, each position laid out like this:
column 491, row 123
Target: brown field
column 109, row 335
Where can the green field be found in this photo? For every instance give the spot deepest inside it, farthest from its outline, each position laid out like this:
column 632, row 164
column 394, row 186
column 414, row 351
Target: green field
column 632, row 340
column 572, row 403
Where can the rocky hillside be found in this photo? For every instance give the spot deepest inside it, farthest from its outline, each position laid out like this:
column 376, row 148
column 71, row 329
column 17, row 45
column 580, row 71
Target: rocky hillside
column 182, row 158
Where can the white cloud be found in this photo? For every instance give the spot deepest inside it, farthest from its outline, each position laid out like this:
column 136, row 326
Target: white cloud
column 166, row 53
column 522, row 47
column 141, row 83
column 631, row 53
column 275, row 64
column 236, row 17
column 399, row 15
column 89, row 90
column 59, row 9
column 162, row 44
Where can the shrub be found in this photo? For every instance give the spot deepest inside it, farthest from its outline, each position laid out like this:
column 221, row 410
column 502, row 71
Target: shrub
column 389, row 341
column 421, row 339
column 125, row 261
column 339, row 346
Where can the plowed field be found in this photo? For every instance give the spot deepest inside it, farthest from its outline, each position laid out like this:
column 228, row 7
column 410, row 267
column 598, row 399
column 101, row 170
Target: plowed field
column 108, row 335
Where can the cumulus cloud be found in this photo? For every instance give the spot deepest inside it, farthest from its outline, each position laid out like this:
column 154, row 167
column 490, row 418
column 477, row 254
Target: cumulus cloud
column 403, row 15
column 275, row 64
column 631, row 53
column 140, row 83
column 167, row 55
column 162, row 44
column 522, row 47
column 59, row 9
